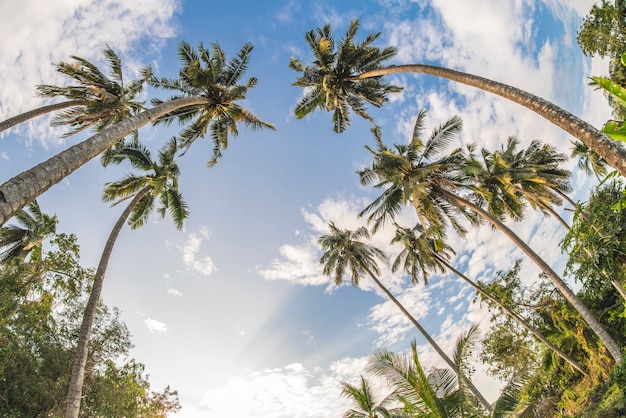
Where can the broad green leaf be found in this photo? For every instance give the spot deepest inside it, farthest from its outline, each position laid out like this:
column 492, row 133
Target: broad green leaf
column 615, row 89
column 616, row 130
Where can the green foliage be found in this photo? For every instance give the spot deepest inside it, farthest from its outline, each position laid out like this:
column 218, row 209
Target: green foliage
column 41, row 303
column 104, row 101
column 439, row 392
column 206, row 72
column 601, row 32
column 26, row 238
column 331, row 77
column 596, row 243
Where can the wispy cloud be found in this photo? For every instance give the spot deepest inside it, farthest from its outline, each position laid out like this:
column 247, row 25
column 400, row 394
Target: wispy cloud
column 155, row 327
column 190, row 251
column 63, row 28
column 285, row 392
column 174, row 292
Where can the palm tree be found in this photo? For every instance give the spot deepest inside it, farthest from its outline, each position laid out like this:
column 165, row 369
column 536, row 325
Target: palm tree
column 422, row 254
column 348, row 70
column 364, row 400
column 505, row 179
column 210, row 99
column 588, row 160
column 410, row 165
column 331, row 88
column 218, row 78
column 440, row 393
column 402, row 186
column 95, row 100
column 26, row 238
column 158, row 183
column 344, row 250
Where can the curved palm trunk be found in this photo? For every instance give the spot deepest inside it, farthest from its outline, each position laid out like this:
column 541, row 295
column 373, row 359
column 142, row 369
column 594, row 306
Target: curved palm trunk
column 569, row 295
column 565, row 197
column 25, row 187
column 432, row 342
column 77, row 376
column 513, row 315
column 23, row 117
column 610, row 150
column 555, row 215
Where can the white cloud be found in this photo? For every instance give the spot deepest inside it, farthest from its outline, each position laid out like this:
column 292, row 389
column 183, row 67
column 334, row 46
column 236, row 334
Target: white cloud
column 174, row 292
column 292, row 391
column 393, row 325
column 310, row 338
column 59, row 29
column 155, row 327
column 190, row 250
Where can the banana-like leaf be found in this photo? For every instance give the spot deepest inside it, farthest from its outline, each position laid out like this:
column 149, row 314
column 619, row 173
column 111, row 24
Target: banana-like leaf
column 614, row 89
column 616, row 130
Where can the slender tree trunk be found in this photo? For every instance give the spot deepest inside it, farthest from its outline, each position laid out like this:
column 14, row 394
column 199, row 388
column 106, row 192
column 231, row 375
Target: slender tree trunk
column 569, row 295
column 612, row 151
column 556, row 216
column 566, row 198
column 23, row 117
column 27, row 186
column 619, row 288
column 77, row 376
column 432, row 342
column 513, row 315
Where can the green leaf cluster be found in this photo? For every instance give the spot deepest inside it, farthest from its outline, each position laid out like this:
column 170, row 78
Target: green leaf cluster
column 41, row 304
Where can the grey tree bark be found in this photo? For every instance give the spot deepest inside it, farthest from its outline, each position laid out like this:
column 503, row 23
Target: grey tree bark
column 612, row 151
column 77, row 376
column 22, row 189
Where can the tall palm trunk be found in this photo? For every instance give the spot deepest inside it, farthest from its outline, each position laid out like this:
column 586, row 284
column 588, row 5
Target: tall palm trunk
column 27, row 186
column 432, row 342
column 23, row 117
column 610, row 150
column 512, row 314
column 569, row 295
column 77, row 376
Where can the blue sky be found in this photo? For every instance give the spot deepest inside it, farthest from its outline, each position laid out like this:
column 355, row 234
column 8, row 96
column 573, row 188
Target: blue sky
column 233, row 311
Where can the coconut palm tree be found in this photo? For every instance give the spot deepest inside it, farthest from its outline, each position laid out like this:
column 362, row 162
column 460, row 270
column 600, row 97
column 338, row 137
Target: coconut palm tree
column 440, row 393
column 366, row 405
column 208, row 73
column 158, row 183
column 588, row 160
column 422, row 254
column 208, row 91
column 349, row 69
column 410, row 165
column 505, row 180
column 344, row 250
column 26, row 238
column 401, row 185
column 95, row 100
column 331, row 88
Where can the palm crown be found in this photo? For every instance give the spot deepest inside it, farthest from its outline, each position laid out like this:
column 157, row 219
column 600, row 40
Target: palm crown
column 506, row 179
column 329, row 79
column 421, row 253
column 414, row 173
column 343, row 251
column 26, row 238
column 207, row 73
column 160, row 182
column 103, row 101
